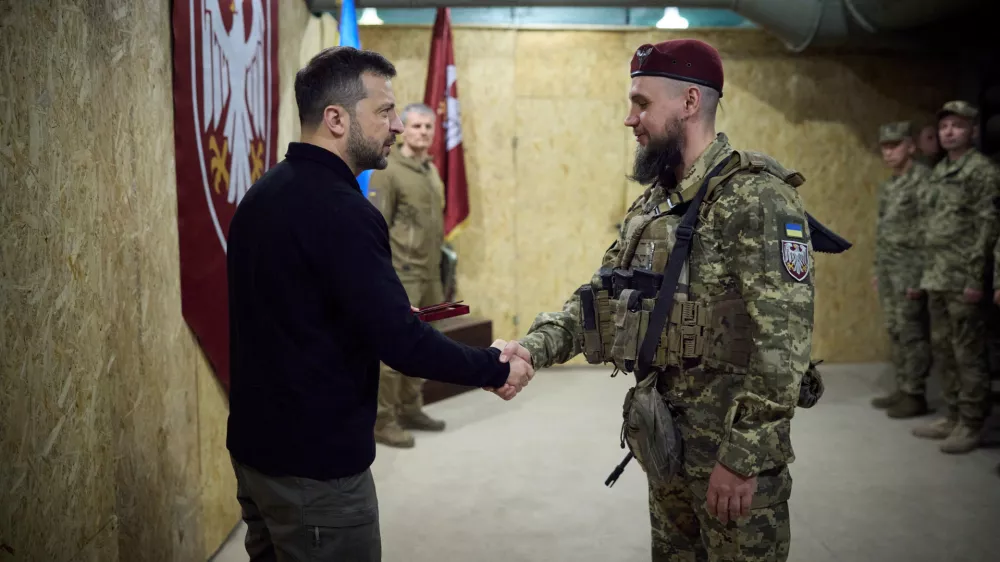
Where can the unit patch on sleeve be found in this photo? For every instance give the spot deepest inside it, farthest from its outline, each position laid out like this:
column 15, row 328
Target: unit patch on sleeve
column 795, row 256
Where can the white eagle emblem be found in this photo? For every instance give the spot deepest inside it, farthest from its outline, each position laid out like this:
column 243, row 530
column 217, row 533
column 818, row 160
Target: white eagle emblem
column 234, row 88
column 795, row 256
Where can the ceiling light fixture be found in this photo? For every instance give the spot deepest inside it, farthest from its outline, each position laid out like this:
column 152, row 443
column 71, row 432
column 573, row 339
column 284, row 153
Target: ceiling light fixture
column 672, row 20
column 369, row 16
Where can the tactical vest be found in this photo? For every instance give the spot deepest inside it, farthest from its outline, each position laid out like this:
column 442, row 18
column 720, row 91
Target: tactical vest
column 615, row 306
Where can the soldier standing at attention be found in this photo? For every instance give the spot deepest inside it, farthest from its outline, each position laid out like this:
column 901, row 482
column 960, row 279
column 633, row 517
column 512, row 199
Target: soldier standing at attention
column 960, row 233
column 729, row 358
column 898, row 268
column 410, row 195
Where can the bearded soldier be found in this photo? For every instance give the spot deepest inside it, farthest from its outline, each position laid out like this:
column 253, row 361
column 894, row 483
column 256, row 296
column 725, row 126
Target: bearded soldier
column 707, row 297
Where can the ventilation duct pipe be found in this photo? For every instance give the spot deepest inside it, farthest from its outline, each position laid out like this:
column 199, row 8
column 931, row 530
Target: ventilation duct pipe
column 797, row 23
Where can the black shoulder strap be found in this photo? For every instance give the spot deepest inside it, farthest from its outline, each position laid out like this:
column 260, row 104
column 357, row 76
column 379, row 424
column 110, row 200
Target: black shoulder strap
column 671, row 274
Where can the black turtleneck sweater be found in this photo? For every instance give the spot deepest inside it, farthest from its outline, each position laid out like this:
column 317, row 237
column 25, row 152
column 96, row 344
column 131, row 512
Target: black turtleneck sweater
column 314, row 304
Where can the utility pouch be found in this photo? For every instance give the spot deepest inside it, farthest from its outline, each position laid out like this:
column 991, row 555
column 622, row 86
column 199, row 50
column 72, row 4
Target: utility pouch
column 628, row 320
column 649, row 430
column 811, row 389
column 592, row 346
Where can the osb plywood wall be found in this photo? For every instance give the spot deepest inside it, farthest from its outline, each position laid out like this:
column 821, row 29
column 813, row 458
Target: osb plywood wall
column 98, row 392
column 112, row 426
column 547, row 153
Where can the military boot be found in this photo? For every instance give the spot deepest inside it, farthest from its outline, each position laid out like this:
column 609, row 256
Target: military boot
column 883, row 402
column 937, row 429
column 908, row 406
column 389, row 433
column 421, row 421
column 963, row 439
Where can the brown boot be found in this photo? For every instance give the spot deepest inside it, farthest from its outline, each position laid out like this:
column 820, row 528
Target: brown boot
column 908, row 406
column 420, row 420
column 963, row 439
column 883, row 402
column 389, row 433
column 938, row 429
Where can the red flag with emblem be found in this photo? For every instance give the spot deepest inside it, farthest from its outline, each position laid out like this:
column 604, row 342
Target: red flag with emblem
column 442, row 96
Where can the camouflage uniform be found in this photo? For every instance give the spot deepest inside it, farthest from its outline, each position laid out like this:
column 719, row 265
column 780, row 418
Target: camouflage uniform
column 410, row 195
column 961, row 230
column 898, row 267
column 732, row 376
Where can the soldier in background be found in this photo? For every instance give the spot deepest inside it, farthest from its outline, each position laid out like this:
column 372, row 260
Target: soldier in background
column 410, row 195
column 961, row 232
column 929, row 149
column 898, row 267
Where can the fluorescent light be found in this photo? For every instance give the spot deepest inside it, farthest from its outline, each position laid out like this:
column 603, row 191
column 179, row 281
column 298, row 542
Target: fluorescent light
column 672, row 20
column 369, row 16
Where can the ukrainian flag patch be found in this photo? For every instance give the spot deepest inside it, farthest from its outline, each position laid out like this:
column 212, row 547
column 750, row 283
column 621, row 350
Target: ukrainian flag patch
column 793, row 230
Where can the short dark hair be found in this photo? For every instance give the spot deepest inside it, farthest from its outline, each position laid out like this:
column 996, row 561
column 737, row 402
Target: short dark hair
column 333, row 77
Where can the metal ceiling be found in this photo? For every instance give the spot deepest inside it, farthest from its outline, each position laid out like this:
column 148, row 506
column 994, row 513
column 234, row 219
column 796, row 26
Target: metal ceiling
column 800, row 24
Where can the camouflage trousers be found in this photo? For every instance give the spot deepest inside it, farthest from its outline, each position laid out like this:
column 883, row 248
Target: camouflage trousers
column 397, row 392
column 907, row 323
column 684, row 531
column 958, row 339
column 992, row 333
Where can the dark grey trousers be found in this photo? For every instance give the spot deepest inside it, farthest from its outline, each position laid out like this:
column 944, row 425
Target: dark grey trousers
column 292, row 519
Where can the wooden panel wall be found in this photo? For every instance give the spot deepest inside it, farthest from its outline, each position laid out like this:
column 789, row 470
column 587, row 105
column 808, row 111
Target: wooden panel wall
column 112, row 426
column 99, row 398
column 547, row 154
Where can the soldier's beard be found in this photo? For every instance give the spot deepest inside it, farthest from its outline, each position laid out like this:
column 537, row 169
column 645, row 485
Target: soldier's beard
column 652, row 160
column 366, row 153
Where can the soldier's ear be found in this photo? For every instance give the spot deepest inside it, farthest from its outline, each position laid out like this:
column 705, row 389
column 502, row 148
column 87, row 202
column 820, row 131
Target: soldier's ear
column 336, row 120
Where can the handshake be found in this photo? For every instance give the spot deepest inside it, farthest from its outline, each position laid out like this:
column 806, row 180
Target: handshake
column 521, row 370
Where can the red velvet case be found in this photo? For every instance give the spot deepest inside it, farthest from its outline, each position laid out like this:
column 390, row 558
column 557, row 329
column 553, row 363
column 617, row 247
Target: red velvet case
column 442, row 311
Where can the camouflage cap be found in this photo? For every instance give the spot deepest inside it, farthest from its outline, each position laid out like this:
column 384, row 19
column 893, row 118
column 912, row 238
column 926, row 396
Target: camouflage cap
column 895, row 132
column 958, row 107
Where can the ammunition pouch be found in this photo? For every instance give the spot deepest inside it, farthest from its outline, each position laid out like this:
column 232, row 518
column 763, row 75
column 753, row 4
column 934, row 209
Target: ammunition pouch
column 596, row 317
column 649, row 431
column 717, row 331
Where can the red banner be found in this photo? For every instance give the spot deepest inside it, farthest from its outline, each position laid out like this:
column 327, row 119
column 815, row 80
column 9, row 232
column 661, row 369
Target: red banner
column 441, row 94
column 225, row 138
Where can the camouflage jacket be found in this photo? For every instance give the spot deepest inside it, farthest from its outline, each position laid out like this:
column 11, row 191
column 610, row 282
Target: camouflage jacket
column 410, row 195
column 996, row 265
column 738, row 415
column 899, row 234
column 961, row 222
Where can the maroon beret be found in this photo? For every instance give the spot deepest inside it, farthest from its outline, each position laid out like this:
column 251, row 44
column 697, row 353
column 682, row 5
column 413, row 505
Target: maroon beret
column 689, row 60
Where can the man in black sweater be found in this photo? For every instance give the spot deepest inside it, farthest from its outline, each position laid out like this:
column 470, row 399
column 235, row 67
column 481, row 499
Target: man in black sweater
column 314, row 305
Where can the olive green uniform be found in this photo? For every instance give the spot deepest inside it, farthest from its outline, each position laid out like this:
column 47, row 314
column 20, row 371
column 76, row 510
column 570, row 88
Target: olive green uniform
column 410, row 195
column 734, row 351
column 960, row 233
column 898, row 267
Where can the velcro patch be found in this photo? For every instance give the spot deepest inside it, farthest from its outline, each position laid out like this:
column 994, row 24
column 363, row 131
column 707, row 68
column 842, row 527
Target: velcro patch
column 795, row 256
column 794, row 230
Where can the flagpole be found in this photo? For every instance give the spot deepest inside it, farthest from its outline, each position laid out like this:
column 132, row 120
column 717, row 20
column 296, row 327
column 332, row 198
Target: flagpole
column 349, row 38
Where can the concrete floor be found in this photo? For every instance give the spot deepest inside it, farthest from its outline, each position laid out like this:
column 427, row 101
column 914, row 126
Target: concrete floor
column 524, row 481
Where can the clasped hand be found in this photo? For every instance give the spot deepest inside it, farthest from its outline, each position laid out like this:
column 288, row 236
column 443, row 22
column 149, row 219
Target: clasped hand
column 521, row 371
